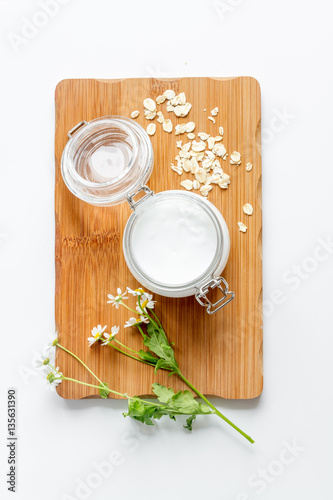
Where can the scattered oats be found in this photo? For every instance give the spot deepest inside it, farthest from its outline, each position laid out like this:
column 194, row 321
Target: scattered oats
column 185, row 109
column 211, row 119
column 180, row 129
column 200, row 156
column 169, row 94
column 204, row 190
column 187, row 184
column 211, row 142
column 186, row 147
column 160, row 118
column 191, row 136
column 167, row 126
column 217, row 170
column 179, row 99
column 225, row 178
column 190, row 126
column 214, row 179
column 248, row 167
column 174, row 101
column 214, row 111
column 179, row 144
column 210, row 155
column 221, row 131
column 195, row 166
column 198, row 146
column 218, row 138
column 178, row 110
column 149, row 115
column 224, row 185
column 187, row 165
column 248, row 209
column 207, row 164
column 242, row 227
column 203, row 136
column 235, row 158
column 151, row 129
column 196, row 184
column 160, row 99
column 184, row 154
column 201, row 175
column 169, row 108
column 135, row 114
column 177, row 168
column 149, row 104
column 205, row 109
column 220, row 150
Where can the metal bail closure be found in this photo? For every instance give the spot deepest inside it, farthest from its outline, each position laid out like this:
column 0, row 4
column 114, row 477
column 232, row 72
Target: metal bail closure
column 76, row 128
column 130, row 197
column 204, row 301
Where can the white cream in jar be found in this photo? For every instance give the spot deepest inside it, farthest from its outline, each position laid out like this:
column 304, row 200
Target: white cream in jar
column 174, row 242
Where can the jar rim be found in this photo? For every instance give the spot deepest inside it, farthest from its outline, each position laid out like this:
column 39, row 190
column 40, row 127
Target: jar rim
column 221, row 247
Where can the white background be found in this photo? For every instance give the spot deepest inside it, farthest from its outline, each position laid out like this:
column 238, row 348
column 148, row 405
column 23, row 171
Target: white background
column 287, row 46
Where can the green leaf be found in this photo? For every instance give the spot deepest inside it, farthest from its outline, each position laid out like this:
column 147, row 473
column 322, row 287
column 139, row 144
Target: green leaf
column 189, row 422
column 204, row 409
column 158, row 344
column 163, row 393
column 146, row 413
column 151, row 328
column 172, row 405
column 148, row 356
column 103, row 392
column 184, row 401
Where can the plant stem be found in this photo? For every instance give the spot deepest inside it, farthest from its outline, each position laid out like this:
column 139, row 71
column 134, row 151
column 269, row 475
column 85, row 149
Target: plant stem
column 213, row 408
column 157, row 318
column 130, row 355
column 82, row 363
column 125, row 346
column 95, row 386
column 117, row 393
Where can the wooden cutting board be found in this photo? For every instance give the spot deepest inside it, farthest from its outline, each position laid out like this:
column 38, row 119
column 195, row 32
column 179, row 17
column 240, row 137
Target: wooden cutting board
column 220, row 354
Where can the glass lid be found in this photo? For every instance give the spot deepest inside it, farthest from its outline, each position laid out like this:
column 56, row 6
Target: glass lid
column 106, row 159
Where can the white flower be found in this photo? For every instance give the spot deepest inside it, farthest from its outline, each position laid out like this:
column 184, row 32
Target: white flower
column 52, row 379
column 146, row 302
column 117, row 300
column 109, row 338
column 137, row 292
column 96, row 333
column 136, row 321
column 51, row 345
column 148, row 297
column 41, row 362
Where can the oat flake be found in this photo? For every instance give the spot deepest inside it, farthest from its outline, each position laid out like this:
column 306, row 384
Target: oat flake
column 242, row 227
column 151, row 129
column 248, row 209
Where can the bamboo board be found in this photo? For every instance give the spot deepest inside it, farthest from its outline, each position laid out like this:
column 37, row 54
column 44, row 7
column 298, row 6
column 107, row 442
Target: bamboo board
column 220, row 354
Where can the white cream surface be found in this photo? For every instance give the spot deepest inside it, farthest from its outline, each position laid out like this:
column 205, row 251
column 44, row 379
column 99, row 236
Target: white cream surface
column 174, row 241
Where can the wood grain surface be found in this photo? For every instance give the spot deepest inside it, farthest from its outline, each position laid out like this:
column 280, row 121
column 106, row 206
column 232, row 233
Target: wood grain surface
column 220, row 354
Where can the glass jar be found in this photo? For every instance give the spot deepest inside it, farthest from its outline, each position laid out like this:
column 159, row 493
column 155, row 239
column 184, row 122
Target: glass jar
column 176, row 243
